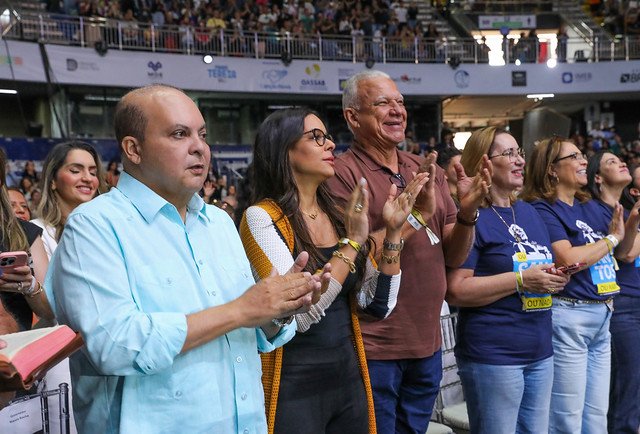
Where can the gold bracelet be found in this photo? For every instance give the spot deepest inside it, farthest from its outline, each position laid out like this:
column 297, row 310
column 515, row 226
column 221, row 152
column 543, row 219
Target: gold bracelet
column 391, row 259
column 349, row 262
column 37, row 291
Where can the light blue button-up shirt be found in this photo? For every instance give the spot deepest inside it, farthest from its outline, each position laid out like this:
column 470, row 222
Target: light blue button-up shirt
column 126, row 272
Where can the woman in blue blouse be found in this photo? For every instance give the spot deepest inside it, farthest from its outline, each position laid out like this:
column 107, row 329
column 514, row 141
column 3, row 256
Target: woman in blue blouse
column 607, row 178
column 556, row 177
column 504, row 290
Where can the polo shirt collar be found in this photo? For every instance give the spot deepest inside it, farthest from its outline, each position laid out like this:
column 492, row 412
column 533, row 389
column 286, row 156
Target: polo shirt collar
column 371, row 163
column 149, row 203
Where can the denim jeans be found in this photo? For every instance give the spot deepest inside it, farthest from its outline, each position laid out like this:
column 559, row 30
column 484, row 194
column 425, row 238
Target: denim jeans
column 582, row 368
column 507, row 399
column 624, row 408
column 404, row 392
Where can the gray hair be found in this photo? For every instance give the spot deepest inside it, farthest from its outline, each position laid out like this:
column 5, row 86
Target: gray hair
column 350, row 93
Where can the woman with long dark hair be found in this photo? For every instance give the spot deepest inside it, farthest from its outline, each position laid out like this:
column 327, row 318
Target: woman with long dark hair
column 319, row 382
column 609, row 180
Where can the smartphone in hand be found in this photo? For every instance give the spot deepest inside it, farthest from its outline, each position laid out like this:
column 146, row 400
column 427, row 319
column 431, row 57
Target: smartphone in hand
column 11, row 260
column 573, row 268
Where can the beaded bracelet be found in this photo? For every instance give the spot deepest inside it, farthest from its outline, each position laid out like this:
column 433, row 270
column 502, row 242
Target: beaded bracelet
column 349, row 262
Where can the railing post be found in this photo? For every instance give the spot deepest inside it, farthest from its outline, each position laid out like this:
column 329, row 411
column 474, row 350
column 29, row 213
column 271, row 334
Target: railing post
column 120, row 35
column 613, row 51
column 255, row 44
column 221, row 37
column 81, row 31
column 353, row 49
column 415, row 49
column 153, row 37
column 320, row 47
column 384, row 49
column 288, row 41
column 475, row 51
column 626, row 48
column 596, row 49
column 41, row 22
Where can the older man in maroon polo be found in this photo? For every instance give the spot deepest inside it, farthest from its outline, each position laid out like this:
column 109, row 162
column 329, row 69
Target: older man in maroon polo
column 403, row 351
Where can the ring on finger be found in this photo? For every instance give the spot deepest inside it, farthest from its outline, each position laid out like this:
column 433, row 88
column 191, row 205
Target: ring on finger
column 551, row 290
column 358, row 207
column 409, row 197
column 19, row 286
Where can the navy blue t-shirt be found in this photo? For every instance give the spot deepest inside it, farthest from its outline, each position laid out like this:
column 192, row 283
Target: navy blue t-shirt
column 580, row 224
column 627, row 275
column 515, row 329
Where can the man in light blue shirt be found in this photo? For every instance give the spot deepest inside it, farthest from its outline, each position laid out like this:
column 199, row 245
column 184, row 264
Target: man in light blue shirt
column 159, row 286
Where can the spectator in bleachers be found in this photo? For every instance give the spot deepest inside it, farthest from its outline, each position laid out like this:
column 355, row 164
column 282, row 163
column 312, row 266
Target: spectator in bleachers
column 412, row 14
column 26, row 185
column 30, row 172
column 503, row 346
column 19, row 204
column 72, row 175
column 580, row 234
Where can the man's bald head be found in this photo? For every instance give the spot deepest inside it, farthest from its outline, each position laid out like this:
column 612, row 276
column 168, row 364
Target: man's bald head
column 130, row 118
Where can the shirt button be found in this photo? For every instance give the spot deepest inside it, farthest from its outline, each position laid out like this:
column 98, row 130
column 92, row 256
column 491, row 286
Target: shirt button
column 213, row 293
column 246, row 431
column 243, row 396
column 238, row 359
column 201, row 262
column 178, row 394
column 169, row 281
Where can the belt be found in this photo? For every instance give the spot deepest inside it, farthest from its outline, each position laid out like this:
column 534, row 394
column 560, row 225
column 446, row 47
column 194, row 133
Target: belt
column 575, row 300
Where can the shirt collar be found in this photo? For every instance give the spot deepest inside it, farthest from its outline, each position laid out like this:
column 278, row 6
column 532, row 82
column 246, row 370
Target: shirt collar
column 149, row 203
column 371, row 163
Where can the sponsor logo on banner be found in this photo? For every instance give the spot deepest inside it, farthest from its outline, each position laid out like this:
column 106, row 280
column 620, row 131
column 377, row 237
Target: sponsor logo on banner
column 630, row 77
column 13, row 60
column 313, row 82
column 518, row 78
column 155, row 68
column 405, row 79
column 271, row 79
column 74, row 65
column 344, row 74
column 576, row 77
column 462, row 79
column 222, row 73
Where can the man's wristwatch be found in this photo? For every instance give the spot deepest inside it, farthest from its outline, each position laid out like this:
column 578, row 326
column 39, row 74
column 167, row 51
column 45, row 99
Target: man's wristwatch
column 466, row 222
column 281, row 322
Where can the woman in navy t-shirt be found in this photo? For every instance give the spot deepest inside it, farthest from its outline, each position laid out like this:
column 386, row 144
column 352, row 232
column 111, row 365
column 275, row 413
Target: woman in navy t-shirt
column 504, row 290
column 556, row 177
column 607, row 178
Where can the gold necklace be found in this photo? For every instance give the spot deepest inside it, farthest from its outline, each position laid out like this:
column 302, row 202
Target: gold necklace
column 312, row 216
column 513, row 214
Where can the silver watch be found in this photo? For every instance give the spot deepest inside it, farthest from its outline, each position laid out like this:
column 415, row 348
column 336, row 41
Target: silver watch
column 281, row 322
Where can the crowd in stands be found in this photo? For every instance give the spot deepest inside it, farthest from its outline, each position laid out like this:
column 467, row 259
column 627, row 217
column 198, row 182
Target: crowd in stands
column 616, row 16
column 300, row 17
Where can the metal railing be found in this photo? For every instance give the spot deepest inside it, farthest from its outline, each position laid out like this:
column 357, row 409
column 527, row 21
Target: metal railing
column 105, row 34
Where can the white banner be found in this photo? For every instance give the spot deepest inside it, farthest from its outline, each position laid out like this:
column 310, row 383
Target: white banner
column 509, row 21
column 21, row 62
column 74, row 65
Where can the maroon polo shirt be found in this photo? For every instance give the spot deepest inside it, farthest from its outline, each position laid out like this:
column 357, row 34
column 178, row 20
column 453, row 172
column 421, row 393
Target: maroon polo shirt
column 413, row 328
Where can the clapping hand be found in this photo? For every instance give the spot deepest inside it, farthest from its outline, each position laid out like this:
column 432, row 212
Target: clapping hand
column 356, row 214
column 616, row 227
column 396, row 209
column 426, row 199
column 473, row 189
